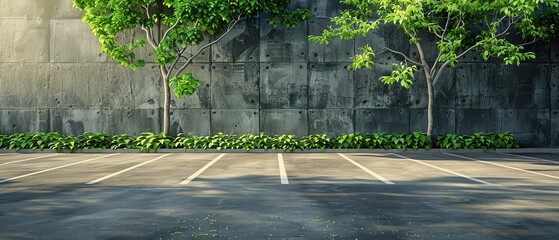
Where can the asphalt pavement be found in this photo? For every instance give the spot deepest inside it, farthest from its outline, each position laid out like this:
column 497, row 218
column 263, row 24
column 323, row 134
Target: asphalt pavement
column 406, row 195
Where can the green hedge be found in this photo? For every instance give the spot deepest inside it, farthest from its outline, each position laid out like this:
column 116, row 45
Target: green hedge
column 477, row 140
column 146, row 142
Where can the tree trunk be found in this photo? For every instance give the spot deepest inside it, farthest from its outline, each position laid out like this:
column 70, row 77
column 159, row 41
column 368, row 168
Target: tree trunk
column 429, row 106
column 429, row 79
column 166, row 105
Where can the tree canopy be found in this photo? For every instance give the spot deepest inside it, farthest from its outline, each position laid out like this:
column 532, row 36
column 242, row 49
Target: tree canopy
column 490, row 27
column 172, row 27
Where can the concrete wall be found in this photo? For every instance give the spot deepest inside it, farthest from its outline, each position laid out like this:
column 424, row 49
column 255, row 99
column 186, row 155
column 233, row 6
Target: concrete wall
column 53, row 78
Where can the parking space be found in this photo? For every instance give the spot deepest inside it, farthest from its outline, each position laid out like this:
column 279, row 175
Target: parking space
column 533, row 169
column 312, row 168
column 411, row 169
column 478, row 167
column 406, row 195
column 167, row 171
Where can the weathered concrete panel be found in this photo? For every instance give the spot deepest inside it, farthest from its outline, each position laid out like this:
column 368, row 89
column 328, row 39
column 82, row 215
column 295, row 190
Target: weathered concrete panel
column 554, row 51
column 475, row 57
column 63, row 9
column 326, row 8
column 116, row 121
column 370, row 92
column 203, row 57
column 242, row 44
column 443, row 121
column 234, row 85
column 201, row 97
column 234, row 121
column 134, row 121
column 336, row 51
column 72, row 41
column 29, row 8
column 24, row 86
column 499, row 86
column 93, row 85
column 554, row 128
column 140, row 89
column 283, row 45
column 530, row 126
column 283, row 85
column 382, row 120
column 444, row 90
column 476, row 120
column 385, row 37
column 71, row 85
column 195, row 121
column 24, row 40
column 554, row 85
column 330, row 86
column 19, row 121
column 43, row 9
column 284, row 121
column 103, row 85
column 332, row 122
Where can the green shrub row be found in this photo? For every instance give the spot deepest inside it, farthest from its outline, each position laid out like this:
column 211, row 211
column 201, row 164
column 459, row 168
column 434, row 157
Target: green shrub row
column 146, row 142
column 477, row 140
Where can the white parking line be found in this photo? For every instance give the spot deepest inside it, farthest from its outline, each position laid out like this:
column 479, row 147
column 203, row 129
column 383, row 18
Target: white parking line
column 500, row 165
column 54, row 168
column 442, row 169
column 526, row 157
column 29, row 159
column 126, row 170
column 379, row 177
column 193, row 176
column 283, row 174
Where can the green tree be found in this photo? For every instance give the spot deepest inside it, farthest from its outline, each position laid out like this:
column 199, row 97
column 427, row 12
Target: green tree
column 170, row 28
column 490, row 27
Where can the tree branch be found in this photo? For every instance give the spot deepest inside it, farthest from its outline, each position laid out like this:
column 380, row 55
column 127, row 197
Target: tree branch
column 440, row 52
column 448, row 62
column 467, row 50
column 170, row 29
column 179, row 56
column 511, row 22
column 443, row 33
column 149, row 32
column 423, row 60
column 401, row 54
column 185, row 65
column 528, row 43
column 149, row 37
column 436, row 79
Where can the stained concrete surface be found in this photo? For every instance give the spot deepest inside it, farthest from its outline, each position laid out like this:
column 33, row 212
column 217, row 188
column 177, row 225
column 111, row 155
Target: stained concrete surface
column 240, row 197
column 53, row 78
column 382, row 120
column 233, row 121
column 331, row 122
column 325, row 93
column 283, row 85
column 279, row 121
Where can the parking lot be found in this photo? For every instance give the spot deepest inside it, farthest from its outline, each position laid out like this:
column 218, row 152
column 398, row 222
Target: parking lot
column 381, row 195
